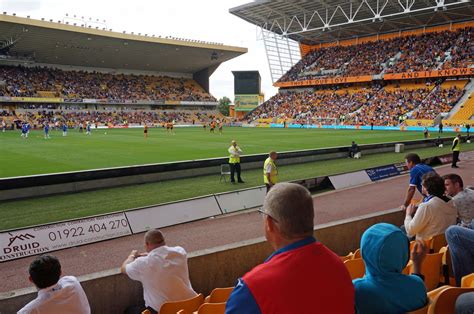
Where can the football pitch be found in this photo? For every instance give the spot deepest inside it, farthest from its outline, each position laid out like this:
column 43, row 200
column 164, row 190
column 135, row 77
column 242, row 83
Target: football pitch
column 125, row 147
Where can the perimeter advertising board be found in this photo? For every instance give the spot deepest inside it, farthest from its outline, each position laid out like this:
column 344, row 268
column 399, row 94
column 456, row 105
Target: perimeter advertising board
column 246, row 102
column 41, row 239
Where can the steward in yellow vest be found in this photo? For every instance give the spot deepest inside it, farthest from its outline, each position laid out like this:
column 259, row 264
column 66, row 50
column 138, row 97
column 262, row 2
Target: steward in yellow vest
column 234, row 162
column 456, row 148
column 270, row 171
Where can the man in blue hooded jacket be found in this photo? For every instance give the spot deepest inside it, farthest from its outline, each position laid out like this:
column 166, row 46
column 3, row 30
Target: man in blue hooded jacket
column 384, row 289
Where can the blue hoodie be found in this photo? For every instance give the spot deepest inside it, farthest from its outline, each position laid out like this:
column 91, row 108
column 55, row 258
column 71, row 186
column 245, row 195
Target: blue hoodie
column 384, row 289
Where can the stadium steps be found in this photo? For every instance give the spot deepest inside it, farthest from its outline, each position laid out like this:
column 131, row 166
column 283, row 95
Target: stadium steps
column 391, row 62
column 464, row 109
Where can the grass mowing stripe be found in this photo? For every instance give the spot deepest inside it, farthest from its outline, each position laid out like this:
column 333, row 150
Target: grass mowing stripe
column 22, row 213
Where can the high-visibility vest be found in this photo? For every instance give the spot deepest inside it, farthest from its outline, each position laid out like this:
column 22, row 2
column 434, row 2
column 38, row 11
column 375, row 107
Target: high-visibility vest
column 456, row 145
column 273, row 172
column 232, row 158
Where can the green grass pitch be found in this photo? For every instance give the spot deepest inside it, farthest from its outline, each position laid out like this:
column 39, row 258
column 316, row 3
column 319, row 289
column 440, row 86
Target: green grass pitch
column 124, row 147
column 127, row 147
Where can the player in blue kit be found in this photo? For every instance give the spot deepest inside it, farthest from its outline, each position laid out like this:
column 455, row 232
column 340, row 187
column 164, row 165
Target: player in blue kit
column 64, row 129
column 25, row 127
column 88, row 128
column 46, row 130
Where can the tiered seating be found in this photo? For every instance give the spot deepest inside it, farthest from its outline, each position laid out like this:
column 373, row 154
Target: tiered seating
column 441, row 100
column 212, row 304
column 111, row 117
column 49, row 82
column 446, row 49
column 467, row 111
column 317, row 105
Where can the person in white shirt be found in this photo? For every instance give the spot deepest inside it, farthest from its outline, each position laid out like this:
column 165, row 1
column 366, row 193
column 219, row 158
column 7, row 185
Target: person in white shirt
column 463, row 199
column 55, row 295
column 434, row 215
column 163, row 272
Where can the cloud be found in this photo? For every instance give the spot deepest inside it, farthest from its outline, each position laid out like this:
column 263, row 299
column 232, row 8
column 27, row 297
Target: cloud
column 207, row 20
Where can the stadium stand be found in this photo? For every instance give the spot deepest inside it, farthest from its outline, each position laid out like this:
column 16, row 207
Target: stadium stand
column 446, row 49
column 49, row 82
column 466, row 112
column 389, row 105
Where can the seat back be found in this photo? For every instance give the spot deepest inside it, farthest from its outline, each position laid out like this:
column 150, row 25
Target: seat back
column 448, row 272
column 407, row 268
column 347, row 257
column 468, row 281
column 437, row 242
column 431, row 269
column 422, row 310
column 219, row 295
column 212, row 308
column 445, row 302
column 355, row 267
column 146, row 312
column 357, row 254
column 189, row 305
column 225, row 169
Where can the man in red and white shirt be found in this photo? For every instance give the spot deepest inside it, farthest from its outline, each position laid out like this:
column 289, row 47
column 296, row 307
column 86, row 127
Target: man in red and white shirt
column 55, row 295
column 163, row 272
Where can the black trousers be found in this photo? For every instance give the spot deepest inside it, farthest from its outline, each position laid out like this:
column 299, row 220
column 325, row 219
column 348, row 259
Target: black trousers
column 455, row 158
column 235, row 168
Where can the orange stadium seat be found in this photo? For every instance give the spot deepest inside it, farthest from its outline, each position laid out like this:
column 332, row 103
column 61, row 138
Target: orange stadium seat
column 444, row 301
column 356, row 268
column 219, row 295
column 468, row 281
column 189, row 305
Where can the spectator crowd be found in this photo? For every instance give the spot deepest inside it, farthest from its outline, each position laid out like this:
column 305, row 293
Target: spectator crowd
column 19, row 81
column 363, row 106
column 302, row 275
column 429, row 51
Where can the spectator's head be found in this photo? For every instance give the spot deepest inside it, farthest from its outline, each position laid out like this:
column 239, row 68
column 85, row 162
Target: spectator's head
column 384, row 249
column 411, row 160
column 288, row 214
column 432, row 184
column 353, row 142
column 453, row 184
column 234, row 143
column 45, row 271
column 153, row 239
column 273, row 155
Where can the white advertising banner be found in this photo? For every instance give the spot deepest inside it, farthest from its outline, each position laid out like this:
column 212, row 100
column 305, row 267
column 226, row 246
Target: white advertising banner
column 347, row 180
column 239, row 200
column 41, row 239
column 172, row 214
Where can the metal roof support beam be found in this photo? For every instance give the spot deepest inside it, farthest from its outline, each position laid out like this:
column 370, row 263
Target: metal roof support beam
column 324, row 18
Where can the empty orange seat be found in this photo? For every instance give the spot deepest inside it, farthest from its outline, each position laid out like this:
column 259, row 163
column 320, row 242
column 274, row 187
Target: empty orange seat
column 467, row 281
column 356, row 268
column 219, row 295
column 190, row 305
column 212, row 308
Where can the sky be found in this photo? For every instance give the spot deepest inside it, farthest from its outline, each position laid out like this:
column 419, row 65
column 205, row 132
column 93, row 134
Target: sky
column 207, row 20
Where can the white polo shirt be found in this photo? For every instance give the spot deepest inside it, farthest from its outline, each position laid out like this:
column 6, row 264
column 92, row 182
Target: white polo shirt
column 66, row 296
column 164, row 275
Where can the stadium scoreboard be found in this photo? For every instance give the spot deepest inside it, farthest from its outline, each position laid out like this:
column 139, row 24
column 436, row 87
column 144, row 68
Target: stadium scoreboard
column 247, row 90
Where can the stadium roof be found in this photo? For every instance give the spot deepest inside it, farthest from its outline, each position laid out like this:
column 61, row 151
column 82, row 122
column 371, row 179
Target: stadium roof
column 59, row 43
column 320, row 21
